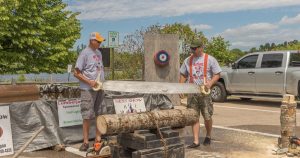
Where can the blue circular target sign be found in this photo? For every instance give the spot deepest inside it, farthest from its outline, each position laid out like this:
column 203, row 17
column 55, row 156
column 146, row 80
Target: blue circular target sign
column 162, row 58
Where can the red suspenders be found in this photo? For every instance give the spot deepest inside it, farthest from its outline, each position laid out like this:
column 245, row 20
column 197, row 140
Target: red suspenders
column 191, row 67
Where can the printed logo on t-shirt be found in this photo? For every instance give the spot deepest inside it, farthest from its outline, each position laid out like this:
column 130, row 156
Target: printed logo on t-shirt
column 98, row 65
column 197, row 71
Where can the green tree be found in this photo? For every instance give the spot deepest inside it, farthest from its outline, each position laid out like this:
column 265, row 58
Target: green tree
column 128, row 65
column 267, row 46
column 185, row 33
column 291, row 45
column 237, row 53
column 21, row 78
column 36, row 36
column 253, row 49
column 219, row 48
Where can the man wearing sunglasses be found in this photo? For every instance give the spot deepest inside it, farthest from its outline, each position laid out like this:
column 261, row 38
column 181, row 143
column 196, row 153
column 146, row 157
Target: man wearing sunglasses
column 88, row 66
column 200, row 69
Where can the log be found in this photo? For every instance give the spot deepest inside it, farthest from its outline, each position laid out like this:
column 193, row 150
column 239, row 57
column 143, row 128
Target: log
column 125, row 123
column 287, row 119
column 12, row 93
column 18, row 90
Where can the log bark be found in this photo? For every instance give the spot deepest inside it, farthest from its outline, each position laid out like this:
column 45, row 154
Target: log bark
column 11, row 93
column 123, row 123
column 287, row 119
column 18, row 90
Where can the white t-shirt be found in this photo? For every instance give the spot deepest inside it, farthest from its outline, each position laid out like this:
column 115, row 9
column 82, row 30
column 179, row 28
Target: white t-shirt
column 90, row 64
column 198, row 67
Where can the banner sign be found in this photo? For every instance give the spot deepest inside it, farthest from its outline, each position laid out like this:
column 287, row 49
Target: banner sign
column 6, row 142
column 69, row 112
column 129, row 105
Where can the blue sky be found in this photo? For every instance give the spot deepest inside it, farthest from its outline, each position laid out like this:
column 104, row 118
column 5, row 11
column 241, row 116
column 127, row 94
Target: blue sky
column 244, row 23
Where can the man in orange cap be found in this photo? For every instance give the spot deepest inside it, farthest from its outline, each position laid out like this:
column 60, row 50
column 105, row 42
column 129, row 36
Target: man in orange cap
column 89, row 66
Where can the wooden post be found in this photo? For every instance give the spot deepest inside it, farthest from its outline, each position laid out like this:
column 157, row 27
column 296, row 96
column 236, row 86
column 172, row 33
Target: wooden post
column 154, row 43
column 119, row 123
column 287, row 119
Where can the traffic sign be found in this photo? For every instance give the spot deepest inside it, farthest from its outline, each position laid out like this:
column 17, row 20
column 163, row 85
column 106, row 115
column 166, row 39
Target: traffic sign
column 113, row 39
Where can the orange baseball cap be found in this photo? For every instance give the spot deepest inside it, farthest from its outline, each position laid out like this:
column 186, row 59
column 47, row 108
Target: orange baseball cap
column 97, row 36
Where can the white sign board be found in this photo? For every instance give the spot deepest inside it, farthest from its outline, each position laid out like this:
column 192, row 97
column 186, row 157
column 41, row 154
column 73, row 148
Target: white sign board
column 129, row 105
column 69, row 68
column 6, row 142
column 69, row 112
column 113, row 39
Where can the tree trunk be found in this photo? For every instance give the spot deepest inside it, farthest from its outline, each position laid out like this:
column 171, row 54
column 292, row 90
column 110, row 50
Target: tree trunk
column 113, row 124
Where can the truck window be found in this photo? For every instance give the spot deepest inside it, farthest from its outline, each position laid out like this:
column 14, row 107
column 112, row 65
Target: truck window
column 295, row 60
column 247, row 62
column 272, row 60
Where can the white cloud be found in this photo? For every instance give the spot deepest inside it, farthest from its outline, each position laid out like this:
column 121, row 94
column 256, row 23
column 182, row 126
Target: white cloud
column 292, row 20
column 250, row 31
column 253, row 35
column 201, row 27
column 124, row 9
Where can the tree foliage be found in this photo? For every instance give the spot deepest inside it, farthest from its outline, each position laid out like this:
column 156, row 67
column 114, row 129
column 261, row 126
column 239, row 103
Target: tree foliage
column 291, row 45
column 128, row 65
column 36, row 36
column 186, row 35
column 219, row 48
column 237, row 53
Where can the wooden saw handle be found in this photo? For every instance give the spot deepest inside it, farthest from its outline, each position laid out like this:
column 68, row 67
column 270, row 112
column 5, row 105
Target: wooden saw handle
column 203, row 89
column 99, row 83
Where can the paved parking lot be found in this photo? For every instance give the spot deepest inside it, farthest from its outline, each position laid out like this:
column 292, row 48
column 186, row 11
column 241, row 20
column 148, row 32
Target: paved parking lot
column 254, row 115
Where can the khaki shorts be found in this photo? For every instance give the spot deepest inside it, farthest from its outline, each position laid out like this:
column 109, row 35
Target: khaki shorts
column 202, row 104
column 91, row 103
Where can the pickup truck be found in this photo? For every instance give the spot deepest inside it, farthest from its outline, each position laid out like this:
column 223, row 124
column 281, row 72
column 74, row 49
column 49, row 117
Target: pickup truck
column 260, row 74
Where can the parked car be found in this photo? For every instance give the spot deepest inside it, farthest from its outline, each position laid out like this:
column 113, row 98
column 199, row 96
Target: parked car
column 260, row 74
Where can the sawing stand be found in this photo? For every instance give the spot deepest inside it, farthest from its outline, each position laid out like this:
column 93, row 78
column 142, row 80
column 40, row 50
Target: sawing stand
column 148, row 144
column 161, row 76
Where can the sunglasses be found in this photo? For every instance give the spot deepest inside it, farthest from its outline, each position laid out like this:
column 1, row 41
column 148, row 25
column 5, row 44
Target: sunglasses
column 194, row 48
column 98, row 41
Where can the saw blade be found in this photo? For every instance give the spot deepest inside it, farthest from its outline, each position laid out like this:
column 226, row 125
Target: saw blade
column 150, row 87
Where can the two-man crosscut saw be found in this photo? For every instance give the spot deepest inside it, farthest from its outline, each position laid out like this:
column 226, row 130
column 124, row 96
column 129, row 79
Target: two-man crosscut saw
column 150, row 87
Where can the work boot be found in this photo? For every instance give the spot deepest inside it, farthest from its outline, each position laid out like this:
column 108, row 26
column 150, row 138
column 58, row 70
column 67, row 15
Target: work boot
column 207, row 141
column 194, row 145
column 84, row 147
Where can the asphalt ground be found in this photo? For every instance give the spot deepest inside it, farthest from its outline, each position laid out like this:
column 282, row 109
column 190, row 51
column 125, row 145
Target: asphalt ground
column 242, row 129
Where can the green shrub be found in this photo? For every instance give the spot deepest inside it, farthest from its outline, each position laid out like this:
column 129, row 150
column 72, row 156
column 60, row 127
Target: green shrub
column 21, row 78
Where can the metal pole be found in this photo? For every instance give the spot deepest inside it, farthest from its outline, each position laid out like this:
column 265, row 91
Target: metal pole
column 68, row 77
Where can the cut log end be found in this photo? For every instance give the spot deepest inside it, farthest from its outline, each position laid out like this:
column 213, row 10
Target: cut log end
column 288, row 98
column 101, row 124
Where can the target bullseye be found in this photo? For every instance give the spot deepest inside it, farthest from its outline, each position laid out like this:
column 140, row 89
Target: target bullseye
column 162, row 58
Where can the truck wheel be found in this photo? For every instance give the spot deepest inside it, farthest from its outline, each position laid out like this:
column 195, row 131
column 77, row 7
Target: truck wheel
column 218, row 92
